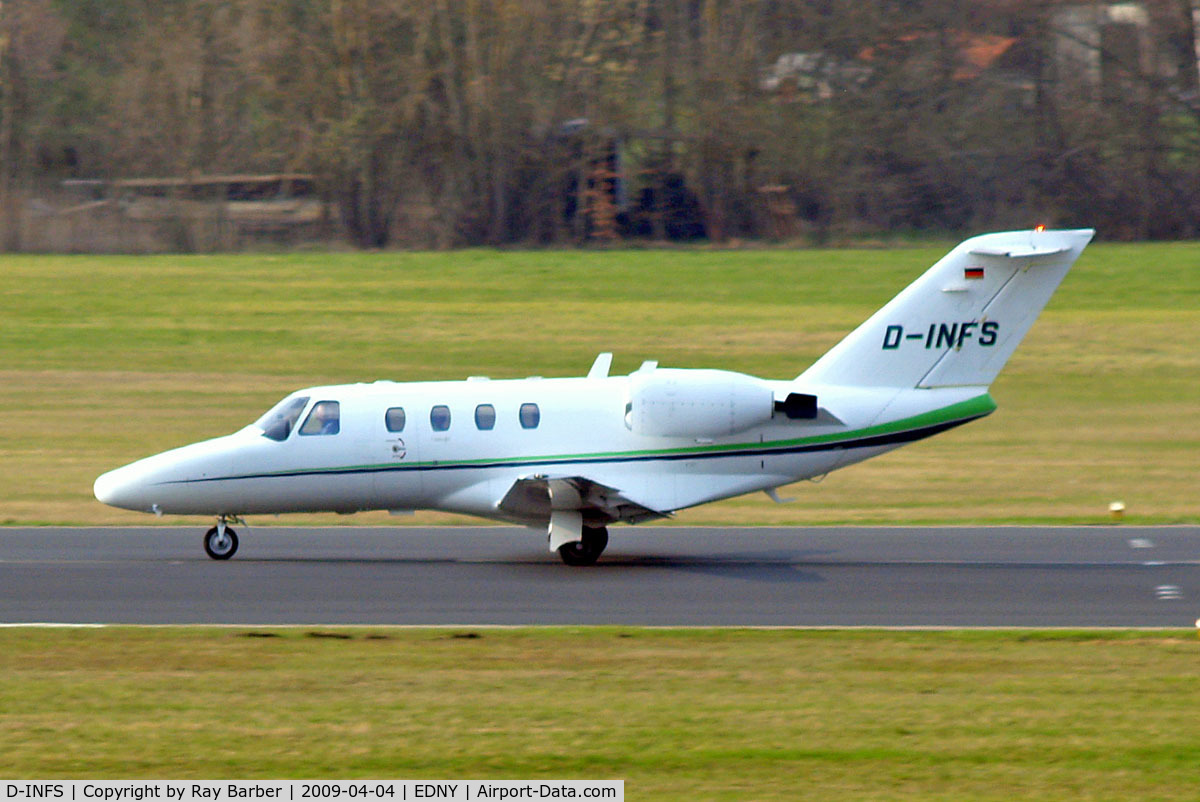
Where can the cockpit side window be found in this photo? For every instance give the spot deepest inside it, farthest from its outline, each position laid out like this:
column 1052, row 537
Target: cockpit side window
column 325, row 418
column 278, row 422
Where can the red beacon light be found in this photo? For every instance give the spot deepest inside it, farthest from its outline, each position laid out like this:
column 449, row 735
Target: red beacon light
column 1039, row 228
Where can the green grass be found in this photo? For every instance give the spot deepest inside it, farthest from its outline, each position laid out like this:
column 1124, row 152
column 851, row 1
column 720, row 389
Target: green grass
column 106, row 359
column 677, row 714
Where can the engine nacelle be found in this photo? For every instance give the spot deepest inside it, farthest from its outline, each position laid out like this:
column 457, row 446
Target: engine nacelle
column 673, row 402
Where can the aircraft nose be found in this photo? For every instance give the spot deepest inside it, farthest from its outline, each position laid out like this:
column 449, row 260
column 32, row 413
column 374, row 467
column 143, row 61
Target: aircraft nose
column 118, row 488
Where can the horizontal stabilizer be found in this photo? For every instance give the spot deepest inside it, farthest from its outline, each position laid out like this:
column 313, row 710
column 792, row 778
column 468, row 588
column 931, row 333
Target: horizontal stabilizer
column 1028, row 252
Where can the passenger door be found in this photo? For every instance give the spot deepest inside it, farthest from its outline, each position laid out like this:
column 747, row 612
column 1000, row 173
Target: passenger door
column 398, row 482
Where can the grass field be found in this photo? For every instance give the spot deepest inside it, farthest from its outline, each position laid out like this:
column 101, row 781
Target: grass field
column 106, row 359
column 700, row 714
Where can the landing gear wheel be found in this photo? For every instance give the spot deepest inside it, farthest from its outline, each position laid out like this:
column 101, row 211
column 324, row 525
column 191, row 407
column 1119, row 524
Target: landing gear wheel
column 220, row 545
column 586, row 551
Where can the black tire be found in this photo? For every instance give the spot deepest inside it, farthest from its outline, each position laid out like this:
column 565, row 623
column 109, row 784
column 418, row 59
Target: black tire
column 587, row 551
column 218, row 550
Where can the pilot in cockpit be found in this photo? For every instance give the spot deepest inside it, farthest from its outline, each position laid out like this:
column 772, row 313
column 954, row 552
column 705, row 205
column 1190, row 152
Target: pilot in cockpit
column 324, row 419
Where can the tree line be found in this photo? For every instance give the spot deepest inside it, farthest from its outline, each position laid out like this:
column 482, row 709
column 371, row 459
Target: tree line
column 459, row 122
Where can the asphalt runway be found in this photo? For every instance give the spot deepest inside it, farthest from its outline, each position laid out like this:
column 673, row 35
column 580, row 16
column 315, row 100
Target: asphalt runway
column 1111, row 576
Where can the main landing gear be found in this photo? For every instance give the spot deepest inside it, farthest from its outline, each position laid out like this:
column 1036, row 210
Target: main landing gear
column 221, row 542
column 587, row 550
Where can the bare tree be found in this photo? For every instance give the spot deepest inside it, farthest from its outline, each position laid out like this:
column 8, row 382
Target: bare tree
column 30, row 38
column 347, row 85
column 448, row 122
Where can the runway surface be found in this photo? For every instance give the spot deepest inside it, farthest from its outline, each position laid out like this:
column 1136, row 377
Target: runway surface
column 1003, row 576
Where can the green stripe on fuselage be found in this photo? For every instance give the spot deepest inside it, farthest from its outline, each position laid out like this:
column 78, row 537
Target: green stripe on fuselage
column 963, row 411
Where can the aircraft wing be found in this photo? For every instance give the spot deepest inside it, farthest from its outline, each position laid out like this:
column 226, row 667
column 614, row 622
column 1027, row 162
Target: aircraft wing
column 537, row 496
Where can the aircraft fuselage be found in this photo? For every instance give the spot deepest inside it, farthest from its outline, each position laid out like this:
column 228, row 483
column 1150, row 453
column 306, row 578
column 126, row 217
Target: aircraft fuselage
column 443, row 458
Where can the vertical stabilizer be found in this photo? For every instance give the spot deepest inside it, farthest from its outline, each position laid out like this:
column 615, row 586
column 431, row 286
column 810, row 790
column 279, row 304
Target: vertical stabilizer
column 958, row 323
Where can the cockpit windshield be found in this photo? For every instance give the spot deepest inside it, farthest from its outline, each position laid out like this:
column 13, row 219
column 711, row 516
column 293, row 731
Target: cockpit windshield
column 277, row 424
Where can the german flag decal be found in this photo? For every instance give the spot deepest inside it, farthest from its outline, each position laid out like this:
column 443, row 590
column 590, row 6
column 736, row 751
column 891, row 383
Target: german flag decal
column 972, row 272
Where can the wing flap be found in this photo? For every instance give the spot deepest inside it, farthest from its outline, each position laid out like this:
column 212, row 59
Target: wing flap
column 538, row 496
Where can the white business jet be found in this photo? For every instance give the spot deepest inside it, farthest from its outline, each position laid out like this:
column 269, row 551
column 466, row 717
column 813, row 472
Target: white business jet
column 573, row 455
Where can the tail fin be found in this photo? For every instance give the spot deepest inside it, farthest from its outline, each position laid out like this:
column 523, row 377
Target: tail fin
column 958, row 323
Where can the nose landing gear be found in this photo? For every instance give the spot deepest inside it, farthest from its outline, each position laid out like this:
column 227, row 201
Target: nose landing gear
column 221, row 542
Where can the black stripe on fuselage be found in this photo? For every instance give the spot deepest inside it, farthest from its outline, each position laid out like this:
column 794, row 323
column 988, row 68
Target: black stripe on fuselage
column 875, row 441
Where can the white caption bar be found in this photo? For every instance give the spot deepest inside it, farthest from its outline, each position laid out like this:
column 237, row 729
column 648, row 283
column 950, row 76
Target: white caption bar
column 306, row 790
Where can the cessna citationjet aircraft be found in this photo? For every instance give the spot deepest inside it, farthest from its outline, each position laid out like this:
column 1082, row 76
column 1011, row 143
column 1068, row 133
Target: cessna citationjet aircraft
column 574, row 455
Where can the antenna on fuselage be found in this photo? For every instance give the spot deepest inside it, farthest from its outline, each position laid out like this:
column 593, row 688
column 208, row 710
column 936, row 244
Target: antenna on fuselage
column 600, row 367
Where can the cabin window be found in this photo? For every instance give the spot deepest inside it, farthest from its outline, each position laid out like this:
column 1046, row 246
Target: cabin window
column 278, row 422
column 325, row 418
column 531, row 416
column 439, row 418
column 485, row 416
column 394, row 419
